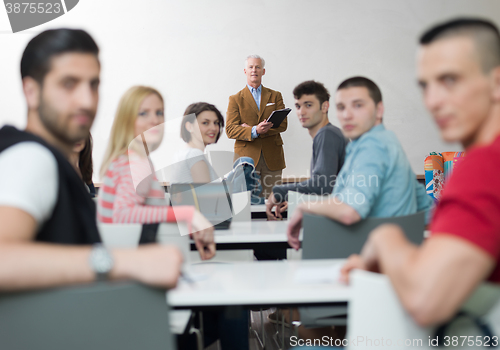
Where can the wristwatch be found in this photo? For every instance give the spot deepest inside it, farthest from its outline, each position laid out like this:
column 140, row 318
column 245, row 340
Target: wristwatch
column 101, row 262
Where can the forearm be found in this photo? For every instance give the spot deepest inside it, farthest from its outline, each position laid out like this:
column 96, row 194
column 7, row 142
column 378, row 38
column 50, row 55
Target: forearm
column 396, row 258
column 332, row 209
column 281, row 191
column 317, row 184
column 432, row 280
column 39, row 265
column 238, row 132
column 311, row 186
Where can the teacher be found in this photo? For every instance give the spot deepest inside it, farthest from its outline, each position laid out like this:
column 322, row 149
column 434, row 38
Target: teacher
column 246, row 114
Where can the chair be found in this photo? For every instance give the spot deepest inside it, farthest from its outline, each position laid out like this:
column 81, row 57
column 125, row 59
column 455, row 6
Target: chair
column 128, row 235
column 103, row 315
column 375, row 313
column 438, row 167
column 324, row 238
column 327, row 239
column 241, row 206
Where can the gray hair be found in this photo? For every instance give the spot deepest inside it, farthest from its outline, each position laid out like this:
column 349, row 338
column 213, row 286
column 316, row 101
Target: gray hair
column 258, row 57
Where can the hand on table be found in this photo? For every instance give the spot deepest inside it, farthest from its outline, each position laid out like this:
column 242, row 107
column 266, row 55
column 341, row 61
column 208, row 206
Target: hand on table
column 154, row 264
column 203, row 236
column 293, row 229
column 280, row 207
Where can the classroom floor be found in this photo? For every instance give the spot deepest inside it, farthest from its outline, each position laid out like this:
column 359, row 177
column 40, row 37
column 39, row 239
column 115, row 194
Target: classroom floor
column 270, row 333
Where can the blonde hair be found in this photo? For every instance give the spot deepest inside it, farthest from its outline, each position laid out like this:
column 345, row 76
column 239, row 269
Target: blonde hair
column 122, row 131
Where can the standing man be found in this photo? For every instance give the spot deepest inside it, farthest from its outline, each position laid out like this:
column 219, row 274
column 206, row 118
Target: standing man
column 312, row 101
column 246, row 114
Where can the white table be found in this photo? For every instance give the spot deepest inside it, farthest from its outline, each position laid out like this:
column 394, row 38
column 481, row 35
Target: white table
column 255, row 284
column 253, row 234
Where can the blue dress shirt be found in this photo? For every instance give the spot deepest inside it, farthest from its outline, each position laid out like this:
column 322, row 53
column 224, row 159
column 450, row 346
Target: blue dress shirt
column 256, row 93
column 377, row 179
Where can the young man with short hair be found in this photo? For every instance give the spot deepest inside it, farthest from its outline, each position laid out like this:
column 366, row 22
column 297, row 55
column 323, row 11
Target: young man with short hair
column 376, row 179
column 48, row 219
column 312, row 101
column 459, row 73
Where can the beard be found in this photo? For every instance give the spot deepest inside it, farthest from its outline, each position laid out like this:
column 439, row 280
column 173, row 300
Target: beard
column 58, row 123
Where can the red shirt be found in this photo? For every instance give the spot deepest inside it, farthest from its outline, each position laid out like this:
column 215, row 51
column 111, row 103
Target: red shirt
column 470, row 204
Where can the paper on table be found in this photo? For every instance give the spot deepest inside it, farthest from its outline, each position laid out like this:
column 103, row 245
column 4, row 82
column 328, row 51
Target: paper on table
column 318, row 274
column 192, row 277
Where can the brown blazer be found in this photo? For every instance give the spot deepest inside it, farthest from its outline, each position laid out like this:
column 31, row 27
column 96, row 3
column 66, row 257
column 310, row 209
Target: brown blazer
column 243, row 109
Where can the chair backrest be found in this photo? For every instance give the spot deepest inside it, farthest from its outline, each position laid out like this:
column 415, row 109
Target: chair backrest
column 241, row 206
column 328, row 239
column 104, row 315
column 376, row 316
column 296, row 198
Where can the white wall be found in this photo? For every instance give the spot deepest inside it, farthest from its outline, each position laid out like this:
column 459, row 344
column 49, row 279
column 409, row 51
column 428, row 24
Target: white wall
column 194, row 51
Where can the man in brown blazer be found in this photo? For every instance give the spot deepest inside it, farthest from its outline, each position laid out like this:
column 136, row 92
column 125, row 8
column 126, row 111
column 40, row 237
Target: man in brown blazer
column 246, row 123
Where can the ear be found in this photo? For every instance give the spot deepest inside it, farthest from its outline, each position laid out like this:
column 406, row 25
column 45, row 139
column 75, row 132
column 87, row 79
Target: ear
column 325, row 107
column 245, row 71
column 495, row 74
column 380, row 112
column 32, row 92
column 264, row 71
column 189, row 127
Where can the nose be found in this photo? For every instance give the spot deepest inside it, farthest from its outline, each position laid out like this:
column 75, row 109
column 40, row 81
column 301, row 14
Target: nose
column 345, row 114
column 433, row 98
column 86, row 97
column 300, row 112
column 214, row 127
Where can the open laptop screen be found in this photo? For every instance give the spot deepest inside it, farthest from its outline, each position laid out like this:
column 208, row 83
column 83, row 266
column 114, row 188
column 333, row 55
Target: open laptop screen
column 213, row 200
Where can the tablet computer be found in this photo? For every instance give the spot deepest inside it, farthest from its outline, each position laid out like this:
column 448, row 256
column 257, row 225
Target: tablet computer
column 278, row 116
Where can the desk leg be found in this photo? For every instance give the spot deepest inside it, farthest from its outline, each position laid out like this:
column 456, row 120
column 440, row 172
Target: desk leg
column 261, row 340
column 198, row 333
column 283, row 330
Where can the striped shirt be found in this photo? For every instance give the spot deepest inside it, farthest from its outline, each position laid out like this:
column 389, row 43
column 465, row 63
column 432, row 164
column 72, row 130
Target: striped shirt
column 130, row 193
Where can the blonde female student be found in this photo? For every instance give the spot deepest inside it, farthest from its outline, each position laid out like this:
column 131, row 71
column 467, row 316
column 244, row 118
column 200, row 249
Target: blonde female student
column 130, row 192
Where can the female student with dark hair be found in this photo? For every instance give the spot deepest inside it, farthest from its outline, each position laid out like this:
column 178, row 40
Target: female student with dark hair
column 201, row 126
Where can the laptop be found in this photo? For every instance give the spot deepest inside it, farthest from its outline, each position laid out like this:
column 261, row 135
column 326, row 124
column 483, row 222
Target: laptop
column 213, row 200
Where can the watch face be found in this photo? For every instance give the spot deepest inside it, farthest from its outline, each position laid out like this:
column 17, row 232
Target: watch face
column 101, row 260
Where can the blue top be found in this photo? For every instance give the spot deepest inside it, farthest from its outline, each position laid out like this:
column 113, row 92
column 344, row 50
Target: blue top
column 256, row 93
column 377, row 179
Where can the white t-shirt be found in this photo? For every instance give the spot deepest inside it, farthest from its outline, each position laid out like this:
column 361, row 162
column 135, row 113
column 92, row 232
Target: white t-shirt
column 184, row 160
column 29, row 180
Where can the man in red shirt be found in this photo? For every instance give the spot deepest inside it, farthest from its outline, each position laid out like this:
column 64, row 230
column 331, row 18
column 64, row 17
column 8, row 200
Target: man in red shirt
column 459, row 74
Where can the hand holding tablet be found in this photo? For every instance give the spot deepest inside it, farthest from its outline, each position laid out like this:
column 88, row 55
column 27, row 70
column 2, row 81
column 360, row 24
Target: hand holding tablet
column 278, row 116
